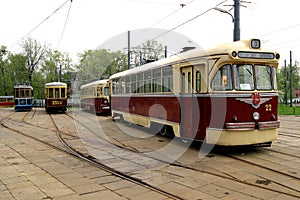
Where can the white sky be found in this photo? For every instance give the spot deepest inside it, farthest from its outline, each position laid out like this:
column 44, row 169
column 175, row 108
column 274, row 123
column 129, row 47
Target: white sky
column 92, row 22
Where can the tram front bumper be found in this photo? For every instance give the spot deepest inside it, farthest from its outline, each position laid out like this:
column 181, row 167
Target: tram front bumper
column 225, row 137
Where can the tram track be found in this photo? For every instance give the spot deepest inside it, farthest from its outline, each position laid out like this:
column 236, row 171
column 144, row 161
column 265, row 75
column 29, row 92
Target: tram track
column 226, row 175
column 71, row 151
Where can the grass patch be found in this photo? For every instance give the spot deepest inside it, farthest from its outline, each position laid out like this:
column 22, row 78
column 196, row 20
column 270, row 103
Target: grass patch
column 287, row 110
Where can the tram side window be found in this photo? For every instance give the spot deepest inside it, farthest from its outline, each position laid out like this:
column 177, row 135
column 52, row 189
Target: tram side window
column 244, row 79
column 156, row 80
column 183, row 82
column 140, row 83
column 198, row 81
column 222, row 80
column 127, row 84
column 263, row 77
column 167, row 79
column 147, row 81
column 133, row 83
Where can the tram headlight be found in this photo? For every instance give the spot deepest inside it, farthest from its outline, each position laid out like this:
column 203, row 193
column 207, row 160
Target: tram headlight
column 256, row 116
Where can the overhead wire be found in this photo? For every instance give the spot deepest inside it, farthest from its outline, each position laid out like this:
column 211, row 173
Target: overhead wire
column 48, row 17
column 65, row 25
column 188, row 20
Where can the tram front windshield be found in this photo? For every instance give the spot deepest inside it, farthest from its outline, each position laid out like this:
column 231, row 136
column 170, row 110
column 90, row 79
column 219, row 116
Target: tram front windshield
column 245, row 77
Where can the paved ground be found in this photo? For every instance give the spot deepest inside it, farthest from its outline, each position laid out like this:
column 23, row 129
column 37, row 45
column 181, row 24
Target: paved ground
column 32, row 170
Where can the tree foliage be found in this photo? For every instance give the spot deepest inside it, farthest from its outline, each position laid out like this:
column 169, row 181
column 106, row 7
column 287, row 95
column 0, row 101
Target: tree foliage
column 147, row 52
column 283, row 80
column 34, row 53
column 100, row 64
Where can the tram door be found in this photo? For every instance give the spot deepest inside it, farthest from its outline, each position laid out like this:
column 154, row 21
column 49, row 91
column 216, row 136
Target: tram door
column 188, row 103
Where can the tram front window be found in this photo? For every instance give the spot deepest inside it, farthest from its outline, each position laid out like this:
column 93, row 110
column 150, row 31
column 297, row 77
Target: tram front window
column 263, row 77
column 244, row 79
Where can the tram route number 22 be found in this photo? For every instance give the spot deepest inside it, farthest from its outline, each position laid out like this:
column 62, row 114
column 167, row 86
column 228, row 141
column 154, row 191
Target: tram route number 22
column 54, row 103
column 268, row 107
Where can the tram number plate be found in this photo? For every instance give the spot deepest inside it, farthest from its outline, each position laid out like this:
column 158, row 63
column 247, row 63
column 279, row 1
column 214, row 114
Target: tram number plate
column 55, row 103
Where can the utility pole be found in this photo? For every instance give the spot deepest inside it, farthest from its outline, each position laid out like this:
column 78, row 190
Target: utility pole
column 128, row 54
column 236, row 31
column 291, row 81
column 285, row 84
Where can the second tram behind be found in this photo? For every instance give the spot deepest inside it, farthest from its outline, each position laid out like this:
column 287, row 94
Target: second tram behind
column 94, row 97
column 225, row 96
column 6, row 101
column 23, row 97
column 56, row 97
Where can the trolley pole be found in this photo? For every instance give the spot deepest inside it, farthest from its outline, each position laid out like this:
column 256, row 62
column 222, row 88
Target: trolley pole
column 236, row 31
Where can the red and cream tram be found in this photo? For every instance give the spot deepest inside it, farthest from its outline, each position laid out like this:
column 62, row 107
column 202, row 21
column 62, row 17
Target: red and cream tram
column 224, row 96
column 55, row 97
column 94, row 97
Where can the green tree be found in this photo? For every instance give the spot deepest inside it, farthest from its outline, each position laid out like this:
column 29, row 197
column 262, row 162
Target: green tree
column 147, row 52
column 283, row 80
column 34, row 53
column 99, row 64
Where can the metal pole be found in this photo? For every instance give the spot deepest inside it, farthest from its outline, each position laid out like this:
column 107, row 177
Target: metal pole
column 285, row 84
column 128, row 55
column 236, row 31
column 291, row 79
column 166, row 52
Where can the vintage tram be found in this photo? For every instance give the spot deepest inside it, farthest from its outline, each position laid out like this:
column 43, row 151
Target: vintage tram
column 6, row 101
column 94, row 97
column 23, row 97
column 55, row 97
column 225, row 96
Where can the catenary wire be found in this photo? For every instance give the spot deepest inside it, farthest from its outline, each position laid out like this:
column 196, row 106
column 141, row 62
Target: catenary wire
column 56, row 10
column 65, row 25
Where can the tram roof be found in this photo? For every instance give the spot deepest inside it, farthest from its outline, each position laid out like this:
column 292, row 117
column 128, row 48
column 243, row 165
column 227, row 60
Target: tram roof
column 56, row 84
column 193, row 54
column 23, row 86
column 103, row 81
column 4, row 97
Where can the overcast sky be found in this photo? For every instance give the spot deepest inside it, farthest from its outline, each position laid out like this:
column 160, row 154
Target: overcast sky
column 93, row 22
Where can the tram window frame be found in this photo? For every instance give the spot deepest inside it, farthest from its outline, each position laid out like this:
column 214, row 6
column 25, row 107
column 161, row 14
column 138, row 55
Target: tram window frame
column 248, row 85
column 127, row 84
column 140, row 82
column 274, row 81
column 57, row 93
column 198, row 81
column 148, row 81
column 133, row 83
column 222, row 81
column 106, row 91
column 167, row 79
column 63, row 92
column 183, row 82
column 156, row 80
column 261, row 78
column 50, row 92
